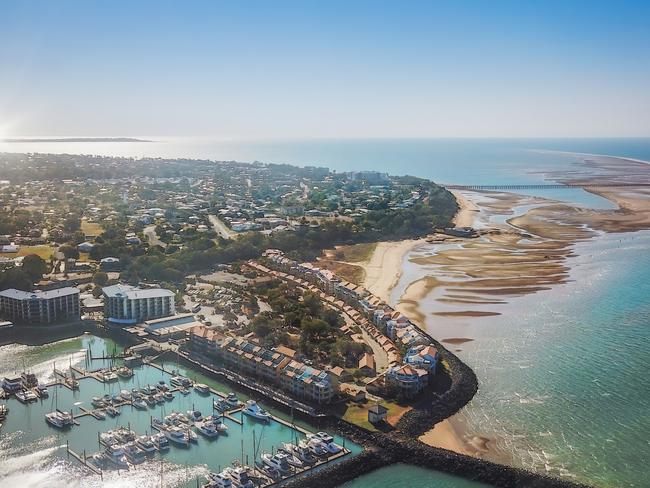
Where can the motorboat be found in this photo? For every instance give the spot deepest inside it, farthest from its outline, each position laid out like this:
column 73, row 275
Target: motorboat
column 272, row 473
column 239, row 476
column 112, row 411
column 26, row 396
column 177, row 436
column 108, row 376
column 252, row 409
column 12, row 385
column 29, row 380
column 97, row 402
column 194, row 415
column 168, row 396
column 124, row 372
column 301, row 451
column 277, row 462
column 99, row 414
column 292, row 459
column 124, row 435
column 203, row 389
column 160, row 441
column 126, row 395
column 145, row 443
column 4, row 411
column 184, row 390
column 100, row 460
column 139, row 404
column 42, row 391
column 328, row 441
column 162, row 386
column 108, row 438
column 134, row 453
column 232, row 400
column 59, row 419
column 218, row 423
column 116, row 456
column 178, row 380
column 149, row 390
column 220, row 405
column 117, row 399
column 207, row 428
column 159, row 398
column 150, row 400
column 219, row 480
column 317, row 447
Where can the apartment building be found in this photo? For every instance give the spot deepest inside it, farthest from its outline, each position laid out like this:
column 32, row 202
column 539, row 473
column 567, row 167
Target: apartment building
column 125, row 304
column 40, row 307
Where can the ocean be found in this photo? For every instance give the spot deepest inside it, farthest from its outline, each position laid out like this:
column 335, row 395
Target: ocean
column 562, row 372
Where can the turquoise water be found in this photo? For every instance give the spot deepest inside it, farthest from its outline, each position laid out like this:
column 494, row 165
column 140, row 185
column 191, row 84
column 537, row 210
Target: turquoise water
column 404, row 476
column 562, row 372
column 26, row 436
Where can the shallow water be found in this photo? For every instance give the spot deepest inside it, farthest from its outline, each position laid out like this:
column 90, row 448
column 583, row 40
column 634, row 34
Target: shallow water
column 404, row 476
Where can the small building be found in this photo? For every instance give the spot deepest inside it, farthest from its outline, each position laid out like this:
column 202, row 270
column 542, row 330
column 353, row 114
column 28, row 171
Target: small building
column 377, row 414
column 109, row 264
column 85, row 246
column 367, row 365
column 171, row 327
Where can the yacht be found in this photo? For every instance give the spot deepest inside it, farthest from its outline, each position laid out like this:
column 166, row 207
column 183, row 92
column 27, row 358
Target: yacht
column 139, row 404
column 252, row 409
column 100, row 460
column 220, row 405
column 160, row 441
column 162, row 386
column 145, row 443
column 12, row 385
column 277, row 462
column 272, row 473
column 60, row 420
column 4, row 410
column 218, row 423
column 123, row 435
column 117, row 399
column 108, row 376
column 99, row 414
column 29, row 380
column 177, row 436
column 219, row 480
column 184, row 390
column 96, row 402
column 327, row 440
column 232, row 400
column 202, row 388
column 301, row 451
column 112, row 411
column 292, row 459
column 26, row 396
column 239, row 476
column 124, row 372
column 159, row 398
column 178, row 380
column 317, row 447
column 168, row 396
column 150, row 400
column 194, row 415
column 108, row 438
column 126, row 395
column 149, row 390
column 116, row 456
column 207, row 428
column 42, row 391
column 134, row 453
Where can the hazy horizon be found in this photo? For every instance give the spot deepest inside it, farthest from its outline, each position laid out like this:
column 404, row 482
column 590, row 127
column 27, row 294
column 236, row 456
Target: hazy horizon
column 294, row 70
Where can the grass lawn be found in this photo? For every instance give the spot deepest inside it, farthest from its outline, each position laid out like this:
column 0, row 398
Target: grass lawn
column 355, row 253
column 45, row 251
column 91, row 228
column 358, row 413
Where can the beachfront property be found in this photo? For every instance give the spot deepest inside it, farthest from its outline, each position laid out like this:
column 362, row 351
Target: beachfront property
column 126, row 304
column 40, row 307
column 270, row 365
column 172, row 327
column 406, row 376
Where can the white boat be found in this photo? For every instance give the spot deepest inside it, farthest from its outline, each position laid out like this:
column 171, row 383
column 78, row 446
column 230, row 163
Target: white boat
column 277, row 462
column 126, row 395
column 12, row 385
column 116, row 456
column 109, row 376
column 162, row 386
column 108, row 439
column 96, row 402
column 207, row 428
column 139, row 404
column 112, row 411
column 218, row 423
column 134, row 453
column 60, row 420
column 150, row 400
column 124, row 372
column 317, row 447
column 168, row 396
column 220, row 405
column 302, row 452
column 202, row 388
column 100, row 460
column 160, row 441
column 178, row 380
column 184, row 390
column 145, row 443
column 292, row 459
column 252, row 409
column 100, row 414
column 26, row 396
column 42, row 391
column 159, row 398
column 194, row 415
column 232, row 400
column 328, row 441
column 124, row 435
column 239, row 476
column 177, row 436
column 219, row 480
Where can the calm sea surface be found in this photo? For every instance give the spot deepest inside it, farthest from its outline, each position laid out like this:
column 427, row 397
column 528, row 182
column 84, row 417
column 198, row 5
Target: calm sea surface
column 563, row 373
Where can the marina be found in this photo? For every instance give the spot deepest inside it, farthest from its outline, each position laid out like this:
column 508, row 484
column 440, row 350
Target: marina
column 214, row 440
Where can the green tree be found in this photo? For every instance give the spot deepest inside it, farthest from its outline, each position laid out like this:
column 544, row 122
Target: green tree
column 100, row 278
column 34, row 266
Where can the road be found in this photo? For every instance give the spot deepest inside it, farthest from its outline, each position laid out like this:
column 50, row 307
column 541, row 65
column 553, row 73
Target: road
column 152, row 237
column 221, row 228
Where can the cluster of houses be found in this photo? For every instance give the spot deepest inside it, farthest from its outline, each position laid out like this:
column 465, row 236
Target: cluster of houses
column 408, row 372
column 273, row 366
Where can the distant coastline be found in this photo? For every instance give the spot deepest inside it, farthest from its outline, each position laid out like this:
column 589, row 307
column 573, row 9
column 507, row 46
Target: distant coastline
column 76, row 139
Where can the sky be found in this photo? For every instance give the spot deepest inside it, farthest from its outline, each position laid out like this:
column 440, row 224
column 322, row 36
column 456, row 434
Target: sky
column 332, row 69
